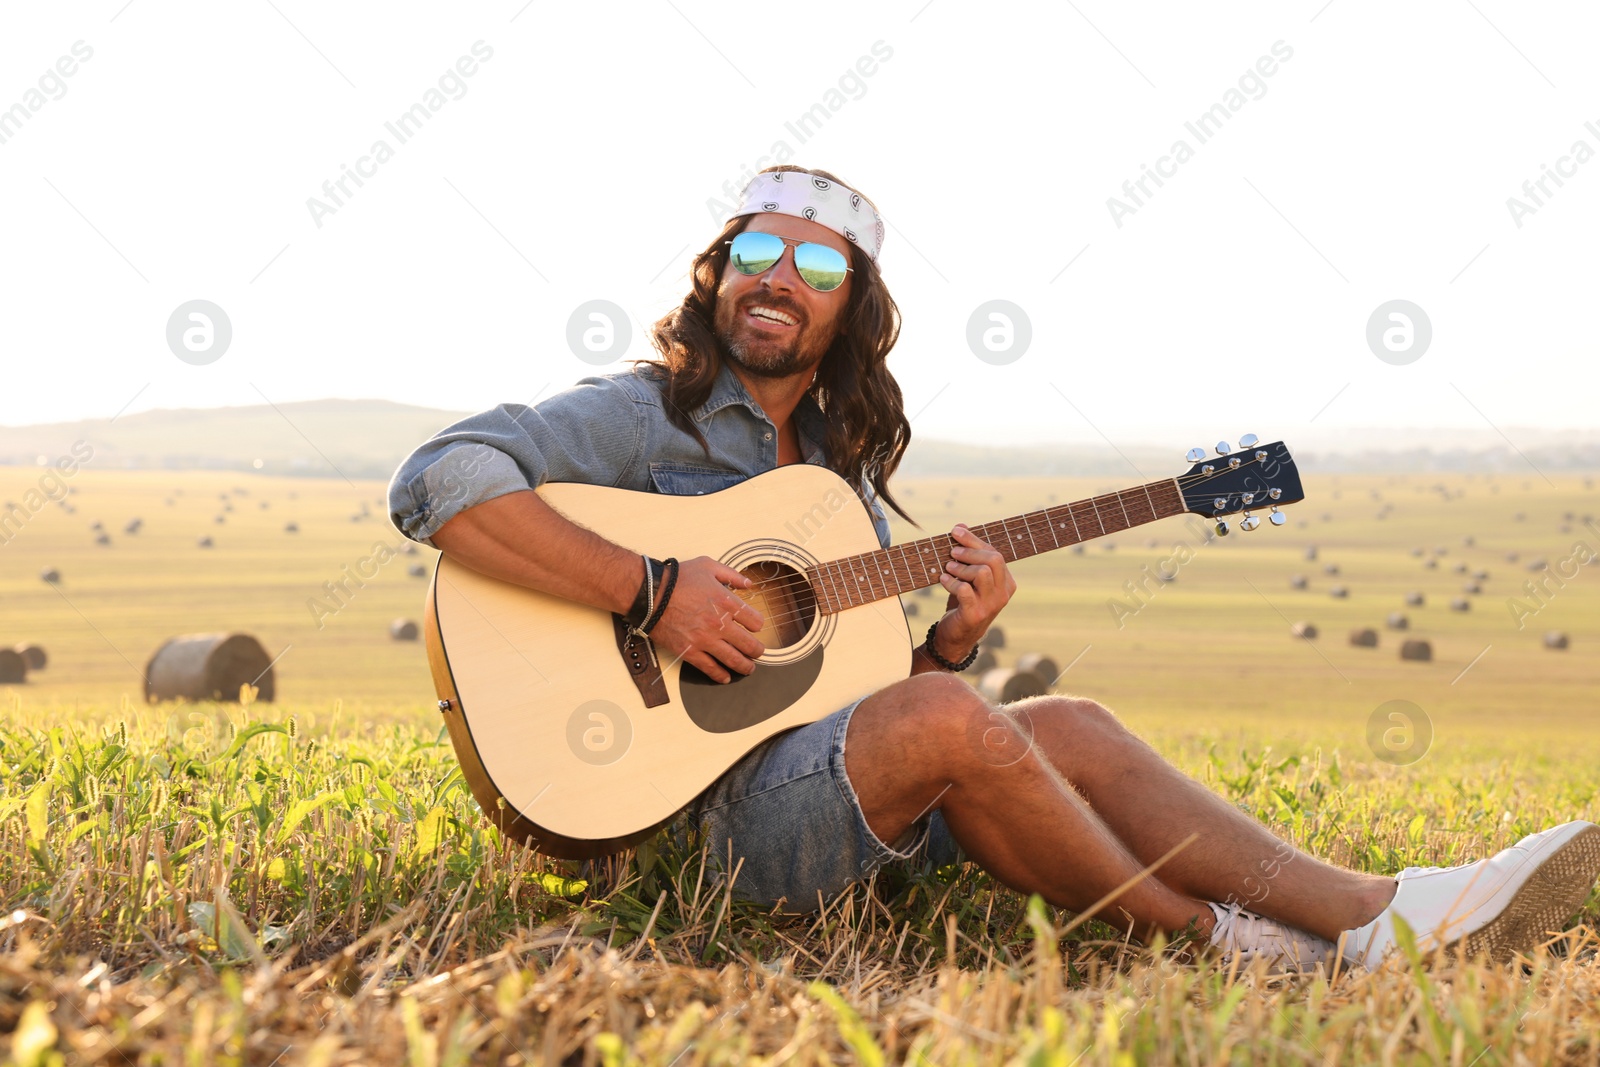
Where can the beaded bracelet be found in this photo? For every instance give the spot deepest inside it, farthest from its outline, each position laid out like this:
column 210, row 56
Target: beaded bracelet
column 933, row 653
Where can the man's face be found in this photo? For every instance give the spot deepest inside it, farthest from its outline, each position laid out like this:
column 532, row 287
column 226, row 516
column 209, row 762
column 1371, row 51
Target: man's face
column 778, row 349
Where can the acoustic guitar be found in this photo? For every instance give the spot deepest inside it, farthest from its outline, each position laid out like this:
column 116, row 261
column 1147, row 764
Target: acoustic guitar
column 581, row 739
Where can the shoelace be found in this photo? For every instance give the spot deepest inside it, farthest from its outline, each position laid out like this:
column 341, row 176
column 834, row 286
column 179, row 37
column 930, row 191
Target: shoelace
column 1241, row 932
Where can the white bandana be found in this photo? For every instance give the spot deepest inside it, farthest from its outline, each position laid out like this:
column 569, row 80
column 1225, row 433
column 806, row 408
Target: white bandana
column 830, row 203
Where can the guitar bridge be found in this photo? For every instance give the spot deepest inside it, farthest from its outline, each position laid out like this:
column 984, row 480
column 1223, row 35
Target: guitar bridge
column 639, row 656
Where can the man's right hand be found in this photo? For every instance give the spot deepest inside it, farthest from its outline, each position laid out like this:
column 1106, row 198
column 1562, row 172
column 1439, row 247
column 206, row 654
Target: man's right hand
column 707, row 624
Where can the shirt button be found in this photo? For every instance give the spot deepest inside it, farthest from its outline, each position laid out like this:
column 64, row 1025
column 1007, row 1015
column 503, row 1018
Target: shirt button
column 766, row 436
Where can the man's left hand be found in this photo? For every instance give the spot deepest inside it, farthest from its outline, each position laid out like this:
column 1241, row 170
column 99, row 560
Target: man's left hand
column 979, row 585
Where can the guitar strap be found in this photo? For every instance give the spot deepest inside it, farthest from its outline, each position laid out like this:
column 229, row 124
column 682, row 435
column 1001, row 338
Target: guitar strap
column 639, row 656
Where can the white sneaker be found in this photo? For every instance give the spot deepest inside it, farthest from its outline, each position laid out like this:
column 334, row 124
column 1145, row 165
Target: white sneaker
column 1496, row 906
column 1248, row 936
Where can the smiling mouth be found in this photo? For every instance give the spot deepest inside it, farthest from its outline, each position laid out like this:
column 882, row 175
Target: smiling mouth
column 771, row 318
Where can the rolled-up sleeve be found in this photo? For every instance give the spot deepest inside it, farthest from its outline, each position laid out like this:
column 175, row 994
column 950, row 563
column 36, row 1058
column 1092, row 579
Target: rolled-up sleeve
column 592, row 432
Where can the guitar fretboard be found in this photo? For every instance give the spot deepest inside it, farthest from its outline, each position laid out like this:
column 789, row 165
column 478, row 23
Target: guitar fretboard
column 862, row 579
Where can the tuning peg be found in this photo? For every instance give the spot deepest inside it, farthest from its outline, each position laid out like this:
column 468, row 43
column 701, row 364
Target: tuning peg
column 1222, row 527
column 1195, row 455
column 1274, row 494
column 1249, row 522
column 1222, row 448
column 1248, row 440
column 1277, row 518
column 1219, row 502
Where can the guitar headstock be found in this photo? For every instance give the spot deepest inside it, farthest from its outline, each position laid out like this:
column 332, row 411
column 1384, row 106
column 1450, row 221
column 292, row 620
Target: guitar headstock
column 1253, row 476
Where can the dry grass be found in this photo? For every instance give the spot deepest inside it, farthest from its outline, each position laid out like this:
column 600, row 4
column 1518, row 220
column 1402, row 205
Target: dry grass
column 242, row 893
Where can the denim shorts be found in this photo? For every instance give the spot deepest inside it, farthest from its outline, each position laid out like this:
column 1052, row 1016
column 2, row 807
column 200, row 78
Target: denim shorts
column 795, row 821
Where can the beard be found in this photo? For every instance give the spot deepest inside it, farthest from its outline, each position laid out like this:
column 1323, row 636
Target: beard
column 763, row 354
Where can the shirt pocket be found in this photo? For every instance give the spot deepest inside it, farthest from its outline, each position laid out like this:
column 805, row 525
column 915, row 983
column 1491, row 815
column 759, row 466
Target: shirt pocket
column 689, row 479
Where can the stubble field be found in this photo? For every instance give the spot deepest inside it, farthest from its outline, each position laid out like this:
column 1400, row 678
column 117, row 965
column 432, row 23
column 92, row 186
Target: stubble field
column 307, row 881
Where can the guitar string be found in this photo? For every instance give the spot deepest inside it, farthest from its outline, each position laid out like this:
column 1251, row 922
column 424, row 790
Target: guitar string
column 794, row 585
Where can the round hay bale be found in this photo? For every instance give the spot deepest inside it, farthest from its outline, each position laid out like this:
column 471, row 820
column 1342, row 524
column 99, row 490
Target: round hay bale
column 417, row 570
column 209, row 667
column 1298, row 581
column 404, row 630
column 206, row 542
column 1418, row 552
column 103, row 539
column 293, row 527
column 926, row 590
column 1480, row 576
column 33, row 656
column 1556, row 640
column 221, row 519
column 13, row 668
column 986, row 661
column 1460, row 568
column 134, row 526
column 912, row 609
column 1431, row 564
column 1397, row 621
column 1040, row 665
column 1077, row 549
column 1469, row 540
column 1364, row 637
column 1311, row 552
column 1415, row 600
column 1330, row 568
column 410, row 549
column 1460, row 603
column 50, row 574
column 1307, row 630
column 1473, row 588
column 995, row 638
column 1512, row 557
column 1416, row 650
column 1338, row 592
column 1537, row 564
column 1002, row 685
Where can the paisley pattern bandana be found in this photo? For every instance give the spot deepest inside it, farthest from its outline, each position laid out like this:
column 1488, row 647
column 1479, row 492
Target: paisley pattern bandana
column 806, row 196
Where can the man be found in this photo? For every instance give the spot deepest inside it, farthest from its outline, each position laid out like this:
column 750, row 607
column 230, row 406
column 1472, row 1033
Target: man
column 776, row 356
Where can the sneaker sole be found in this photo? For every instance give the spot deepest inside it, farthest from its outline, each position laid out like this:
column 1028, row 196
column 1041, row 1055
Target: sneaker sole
column 1553, row 893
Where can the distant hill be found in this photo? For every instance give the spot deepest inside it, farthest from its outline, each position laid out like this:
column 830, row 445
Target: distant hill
column 369, row 438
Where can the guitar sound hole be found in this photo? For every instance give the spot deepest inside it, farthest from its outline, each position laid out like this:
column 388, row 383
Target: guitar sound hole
column 785, row 599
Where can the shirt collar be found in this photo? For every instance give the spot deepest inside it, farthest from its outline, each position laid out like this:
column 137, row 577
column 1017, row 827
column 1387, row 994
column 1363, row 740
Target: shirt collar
column 809, row 420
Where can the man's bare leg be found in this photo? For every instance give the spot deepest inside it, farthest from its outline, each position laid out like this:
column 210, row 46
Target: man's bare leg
column 918, row 745
column 930, row 741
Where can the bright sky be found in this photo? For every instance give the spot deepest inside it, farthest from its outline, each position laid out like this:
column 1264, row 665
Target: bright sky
column 1360, row 153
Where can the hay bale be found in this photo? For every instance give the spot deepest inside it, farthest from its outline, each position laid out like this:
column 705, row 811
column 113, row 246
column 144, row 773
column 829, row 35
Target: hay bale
column 926, row 590
column 1040, row 665
column 134, row 526
column 1364, row 637
column 209, row 667
column 1298, row 581
column 1431, row 564
column 51, row 575
column 1418, row 552
column 1307, row 630
column 1415, row 600
column 33, row 656
column 410, row 549
column 1338, row 592
column 1460, row 603
column 1511, row 557
column 206, row 542
column 1473, row 588
column 404, row 630
column 1460, row 568
column 995, row 638
column 912, row 610
column 1537, row 564
column 1397, row 621
column 1556, row 640
column 1330, row 568
column 1002, row 685
column 986, row 661
column 220, row 519
column 1480, row 576
column 1469, row 540
column 417, row 570
column 13, row 668
column 103, row 539
column 293, row 527
column 1416, row 650
column 1311, row 551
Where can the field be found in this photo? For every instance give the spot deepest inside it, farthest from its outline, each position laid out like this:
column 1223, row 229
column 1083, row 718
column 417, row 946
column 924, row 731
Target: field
column 307, row 881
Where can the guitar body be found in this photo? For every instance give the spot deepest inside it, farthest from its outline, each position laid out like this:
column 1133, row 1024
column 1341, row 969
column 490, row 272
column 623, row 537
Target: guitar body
column 553, row 735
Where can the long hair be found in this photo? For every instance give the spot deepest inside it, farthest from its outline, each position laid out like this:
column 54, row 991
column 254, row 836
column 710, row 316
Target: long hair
column 867, row 427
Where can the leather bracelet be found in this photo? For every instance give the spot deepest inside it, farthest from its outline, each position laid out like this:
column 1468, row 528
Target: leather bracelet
column 933, row 653
column 669, row 582
column 644, row 603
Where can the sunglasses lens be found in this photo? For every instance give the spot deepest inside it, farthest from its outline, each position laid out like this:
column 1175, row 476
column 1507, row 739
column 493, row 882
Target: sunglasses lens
column 823, row 268
column 755, row 253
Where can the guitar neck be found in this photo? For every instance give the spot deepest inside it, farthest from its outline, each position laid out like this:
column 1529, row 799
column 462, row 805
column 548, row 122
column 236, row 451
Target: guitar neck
column 861, row 579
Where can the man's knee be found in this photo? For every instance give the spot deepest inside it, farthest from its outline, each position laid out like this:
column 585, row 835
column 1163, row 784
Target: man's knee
column 929, row 706
column 1074, row 720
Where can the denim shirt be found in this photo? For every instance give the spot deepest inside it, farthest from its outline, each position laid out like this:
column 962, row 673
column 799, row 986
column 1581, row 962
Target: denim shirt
column 609, row 429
